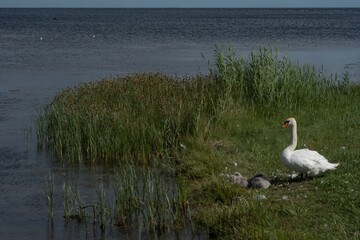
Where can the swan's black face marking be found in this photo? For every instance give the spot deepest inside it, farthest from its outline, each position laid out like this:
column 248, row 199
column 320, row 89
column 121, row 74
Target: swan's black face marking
column 286, row 123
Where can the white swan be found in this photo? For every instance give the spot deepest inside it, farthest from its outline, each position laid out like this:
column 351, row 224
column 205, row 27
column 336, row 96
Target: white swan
column 303, row 161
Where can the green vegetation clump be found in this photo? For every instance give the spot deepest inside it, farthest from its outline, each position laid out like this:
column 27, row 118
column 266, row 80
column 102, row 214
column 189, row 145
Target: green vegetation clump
column 136, row 117
column 270, row 82
column 228, row 121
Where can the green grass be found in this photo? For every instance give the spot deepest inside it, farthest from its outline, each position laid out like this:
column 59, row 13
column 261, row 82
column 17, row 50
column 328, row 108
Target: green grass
column 137, row 117
column 233, row 115
column 325, row 207
column 270, row 82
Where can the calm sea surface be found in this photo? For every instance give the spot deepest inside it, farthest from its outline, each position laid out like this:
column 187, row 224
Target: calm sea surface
column 45, row 50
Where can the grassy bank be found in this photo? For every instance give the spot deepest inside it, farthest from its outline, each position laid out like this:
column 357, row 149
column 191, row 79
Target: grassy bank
column 325, row 207
column 226, row 122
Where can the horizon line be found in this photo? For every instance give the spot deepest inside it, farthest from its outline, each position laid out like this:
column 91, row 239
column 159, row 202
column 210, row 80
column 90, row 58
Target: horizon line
column 183, row 7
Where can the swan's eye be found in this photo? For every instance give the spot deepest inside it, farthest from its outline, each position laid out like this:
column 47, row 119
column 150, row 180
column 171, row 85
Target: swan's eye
column 287, row 122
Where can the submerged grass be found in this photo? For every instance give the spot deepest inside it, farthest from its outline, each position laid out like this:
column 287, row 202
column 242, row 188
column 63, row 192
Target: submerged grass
column 226, row 122
column 142, row 199
column 49, row 191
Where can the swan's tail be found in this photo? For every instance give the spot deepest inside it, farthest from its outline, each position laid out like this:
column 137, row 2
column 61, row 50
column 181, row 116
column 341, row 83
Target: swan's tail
column 328, row 166
column 324, row 168
column 335, row 164
column 332, row 166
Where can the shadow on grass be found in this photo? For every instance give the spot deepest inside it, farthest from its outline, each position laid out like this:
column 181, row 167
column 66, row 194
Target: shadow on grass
column 279, row 181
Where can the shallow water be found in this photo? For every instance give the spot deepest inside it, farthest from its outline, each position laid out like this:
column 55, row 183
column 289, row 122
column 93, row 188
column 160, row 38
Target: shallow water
column 45, row 50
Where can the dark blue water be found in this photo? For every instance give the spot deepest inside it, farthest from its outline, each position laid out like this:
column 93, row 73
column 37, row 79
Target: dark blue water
column 112, row 40
column 45, row 50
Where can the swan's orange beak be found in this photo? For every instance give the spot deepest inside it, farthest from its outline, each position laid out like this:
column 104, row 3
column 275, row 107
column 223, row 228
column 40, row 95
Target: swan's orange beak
column 285, row 125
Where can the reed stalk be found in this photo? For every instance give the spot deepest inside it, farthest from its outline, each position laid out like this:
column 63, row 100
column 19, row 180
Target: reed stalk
column 49, row 191
column 68, row 200
column 101, row 206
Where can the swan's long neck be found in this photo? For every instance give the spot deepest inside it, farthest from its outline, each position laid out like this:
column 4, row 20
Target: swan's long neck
column 293, row 138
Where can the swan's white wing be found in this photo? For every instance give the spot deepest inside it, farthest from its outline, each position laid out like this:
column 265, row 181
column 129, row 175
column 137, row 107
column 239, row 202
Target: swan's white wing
column 310, row 162
column 313, row 155
column 305, row 160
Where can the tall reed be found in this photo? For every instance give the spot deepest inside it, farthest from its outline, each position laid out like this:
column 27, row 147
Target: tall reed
column 136, row 117
column 49, row 191
column 271, row 82
column 73, row 204
column 101, row 205
column 68, row 200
